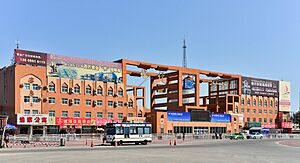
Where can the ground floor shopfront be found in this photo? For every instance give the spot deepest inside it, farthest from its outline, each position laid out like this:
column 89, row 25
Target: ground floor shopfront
column 198, row 127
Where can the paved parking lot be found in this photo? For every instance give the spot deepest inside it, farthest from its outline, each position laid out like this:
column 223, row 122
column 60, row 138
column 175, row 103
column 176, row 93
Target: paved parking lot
column 199, row 151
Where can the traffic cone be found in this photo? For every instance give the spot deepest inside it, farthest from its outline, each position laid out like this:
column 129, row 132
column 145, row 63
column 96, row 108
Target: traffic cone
column 92, row 143
column 174, row 142
column 170, row 142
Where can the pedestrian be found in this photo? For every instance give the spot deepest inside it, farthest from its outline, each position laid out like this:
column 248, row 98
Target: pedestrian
column 216, row 135
column 104, row 138
column 220, row 135
column 6, row 139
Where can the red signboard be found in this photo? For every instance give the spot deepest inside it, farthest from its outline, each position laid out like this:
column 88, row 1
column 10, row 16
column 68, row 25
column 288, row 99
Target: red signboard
column 82, row 121
column 286, row 124
column 29, row 57
column 268, row 125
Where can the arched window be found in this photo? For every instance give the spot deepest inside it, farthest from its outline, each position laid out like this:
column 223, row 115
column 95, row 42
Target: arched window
column 88, row 89
column 77, row 89
column 260, row 103
column 276, row 103
column 130, row 104
column 120, row 92
column 99, row 90
column 64, row 88
column 248, row 101
column 51, row 87
column 162, row 116
column 271, row 103
column 254, row 102
column 243, row 101
column 265, row 103
column 110, row 91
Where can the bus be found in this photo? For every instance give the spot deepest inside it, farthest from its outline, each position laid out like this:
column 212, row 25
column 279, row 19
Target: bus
column 138, row 133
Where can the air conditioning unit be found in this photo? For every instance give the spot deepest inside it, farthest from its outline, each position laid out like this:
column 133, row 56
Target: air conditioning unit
column 71, row 102
column 126, row 104
column 40, row 87
column 45, row 99
column 115, row 104
column 40, row 99
column 116, row 95
column 71, row 90
column 21, row 85
column 94, row 103
column 94, row 92
column 45, row 87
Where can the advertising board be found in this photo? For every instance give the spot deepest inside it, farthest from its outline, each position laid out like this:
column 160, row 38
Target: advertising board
column 200, row 116
column 83, row 69
column 179, row 116
column 78, row 122
column 32, row 119
column 284, row 96
column 30, row 57
column 260, row 87
column 188, row 81
column 220, row 117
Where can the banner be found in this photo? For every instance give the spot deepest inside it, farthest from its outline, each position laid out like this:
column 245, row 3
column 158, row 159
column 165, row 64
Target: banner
column 78, row 122
column 83, row 69
column 32, row 119
column 179, row 116
column 220, row 118
column 268, row 126
column 284, row 96
column 29, row 57
column 260, row 87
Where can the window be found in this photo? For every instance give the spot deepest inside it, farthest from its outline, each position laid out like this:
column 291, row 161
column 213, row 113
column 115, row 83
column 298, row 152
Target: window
column 35, row 99
column 99, row 91
column 99, row 114
column 254, row 102
column 265, row 103
column 270, row 111
column 77, row 89
column 243, row 101
column 248, row 101
column 130, row 115
column 120, row 115
column 88, row 114
column 51, row 100
column 271, row 103
column 242, row 110
column 140, row 115
column 51, row 88
column 248, row 119
column 260, row 120
column 110, row 103
column 259, row 111
column 26, row 99
column 26, row 86
column 51, row 113
column 120, row 103
column 99, row 102
column 271, row 120
column 276, row 103
column 130, row 104
column 110, row 91
column 120, row 92
column 64, row 88
column 64, row 101
column 88, row 102
column 265, row 120
column 254, row 119
column 265, row 111
column 260, row 103
column 26, row 111
column 64, row 113
column 35, row 112
column 76, row 101
column 254, row 111
column 35, row 87
column 110, row 115
column 76, row 114
column 248, row 110
column 88, row 90
column 276, row 111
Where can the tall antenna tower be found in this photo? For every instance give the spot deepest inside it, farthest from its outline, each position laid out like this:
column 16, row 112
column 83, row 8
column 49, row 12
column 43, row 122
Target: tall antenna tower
column 184, row 61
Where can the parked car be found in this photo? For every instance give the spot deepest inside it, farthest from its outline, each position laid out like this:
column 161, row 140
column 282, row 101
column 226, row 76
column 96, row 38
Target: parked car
column 255, row 136
column 236, row 136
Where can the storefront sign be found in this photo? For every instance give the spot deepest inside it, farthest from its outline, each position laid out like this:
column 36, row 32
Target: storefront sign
column 83, row 69
column 284, row 96
column 179, row 116
column 253, row 124
column 29, row 57
column 268, row 125
column 220, row 118
column 286, row 124
column 136, row 119
column 103, row 121
column 260, row 87
column 32, row 119
column 82, row 121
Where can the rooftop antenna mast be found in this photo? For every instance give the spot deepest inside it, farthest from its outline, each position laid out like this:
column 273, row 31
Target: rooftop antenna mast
column 184, row 62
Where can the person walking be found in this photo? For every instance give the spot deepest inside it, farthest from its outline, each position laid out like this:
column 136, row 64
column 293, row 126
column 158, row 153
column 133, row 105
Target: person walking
column 6, row 139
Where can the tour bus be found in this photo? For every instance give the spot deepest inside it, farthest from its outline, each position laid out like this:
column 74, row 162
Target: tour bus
column 128, row 133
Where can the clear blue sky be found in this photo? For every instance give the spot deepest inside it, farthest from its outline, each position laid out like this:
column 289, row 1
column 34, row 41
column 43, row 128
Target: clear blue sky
column 253, row 38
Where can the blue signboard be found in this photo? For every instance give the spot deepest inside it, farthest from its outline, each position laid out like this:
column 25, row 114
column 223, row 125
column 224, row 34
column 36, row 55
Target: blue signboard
column 188, row 83
column 220, row 118
column 179, row 116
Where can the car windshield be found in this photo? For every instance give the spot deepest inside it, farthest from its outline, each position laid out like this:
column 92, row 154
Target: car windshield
column 111, row 131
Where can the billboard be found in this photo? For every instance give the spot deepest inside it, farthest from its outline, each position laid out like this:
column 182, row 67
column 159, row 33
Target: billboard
column 188, row 81
column 284, row 96
column 83, row 69
column 29, row 57
column 260, row 87
column 220, row 117
column 32, row 119
column 179, row 116
column 200, row 116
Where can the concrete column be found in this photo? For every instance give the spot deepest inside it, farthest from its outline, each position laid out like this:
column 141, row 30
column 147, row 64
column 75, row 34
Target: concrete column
column 30, row 131
column 44, row 131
